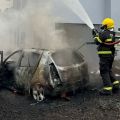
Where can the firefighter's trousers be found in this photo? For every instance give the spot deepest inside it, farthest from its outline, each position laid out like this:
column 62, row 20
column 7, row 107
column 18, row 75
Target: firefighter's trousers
column 105, row 63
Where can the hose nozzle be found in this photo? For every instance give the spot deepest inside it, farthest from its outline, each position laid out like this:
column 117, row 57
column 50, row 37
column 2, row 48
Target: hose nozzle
column 94, row 32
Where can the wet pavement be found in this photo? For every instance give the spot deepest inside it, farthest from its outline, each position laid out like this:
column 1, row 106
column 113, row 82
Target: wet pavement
column 86, row 105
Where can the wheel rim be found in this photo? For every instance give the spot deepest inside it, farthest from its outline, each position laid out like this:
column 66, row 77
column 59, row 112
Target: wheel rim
column 38, row 93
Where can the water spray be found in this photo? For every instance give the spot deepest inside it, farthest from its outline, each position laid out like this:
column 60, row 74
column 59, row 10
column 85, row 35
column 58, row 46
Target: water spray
column 79, row 10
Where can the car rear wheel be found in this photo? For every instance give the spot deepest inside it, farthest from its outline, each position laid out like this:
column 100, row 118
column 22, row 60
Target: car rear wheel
column 38, row 92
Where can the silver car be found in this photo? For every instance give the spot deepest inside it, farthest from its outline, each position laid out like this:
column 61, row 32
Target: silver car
column 41, row 72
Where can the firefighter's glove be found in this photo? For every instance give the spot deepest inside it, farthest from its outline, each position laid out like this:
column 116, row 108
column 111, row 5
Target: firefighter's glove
column 94, row 32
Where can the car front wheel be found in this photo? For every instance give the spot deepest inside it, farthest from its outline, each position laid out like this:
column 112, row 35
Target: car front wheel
column 38, row 92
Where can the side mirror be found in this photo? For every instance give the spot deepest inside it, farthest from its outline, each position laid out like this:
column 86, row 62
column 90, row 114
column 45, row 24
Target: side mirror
column 118, row 29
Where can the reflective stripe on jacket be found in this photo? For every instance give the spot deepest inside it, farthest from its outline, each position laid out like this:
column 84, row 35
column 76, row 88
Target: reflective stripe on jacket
column 105, row 36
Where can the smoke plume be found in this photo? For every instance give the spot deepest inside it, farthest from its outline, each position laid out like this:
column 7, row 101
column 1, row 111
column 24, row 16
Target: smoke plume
column 31, row 27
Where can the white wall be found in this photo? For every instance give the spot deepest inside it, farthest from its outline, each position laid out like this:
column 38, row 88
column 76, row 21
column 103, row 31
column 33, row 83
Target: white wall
column 115, row 12
column 94, row 8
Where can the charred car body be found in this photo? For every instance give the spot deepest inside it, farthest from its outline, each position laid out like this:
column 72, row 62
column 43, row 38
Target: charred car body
column 43, row 72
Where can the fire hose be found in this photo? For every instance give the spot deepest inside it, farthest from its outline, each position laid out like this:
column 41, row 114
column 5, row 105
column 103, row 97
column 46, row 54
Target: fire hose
column 93, row 43
column 95, row 32
column 113, row 43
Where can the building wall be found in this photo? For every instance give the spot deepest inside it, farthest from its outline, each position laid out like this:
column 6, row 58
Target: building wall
column 67, row 16
column 96, row 9
column 115, row 14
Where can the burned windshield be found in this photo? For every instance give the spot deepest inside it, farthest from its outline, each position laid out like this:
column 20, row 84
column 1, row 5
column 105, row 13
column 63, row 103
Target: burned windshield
column 67, row 57
column 29, row 59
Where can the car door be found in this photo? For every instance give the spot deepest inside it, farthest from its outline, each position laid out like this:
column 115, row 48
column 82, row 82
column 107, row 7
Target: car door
column 7, row 69
column 26, row 68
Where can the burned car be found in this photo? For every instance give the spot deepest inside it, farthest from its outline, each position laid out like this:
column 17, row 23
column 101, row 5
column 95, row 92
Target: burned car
column 42, row 72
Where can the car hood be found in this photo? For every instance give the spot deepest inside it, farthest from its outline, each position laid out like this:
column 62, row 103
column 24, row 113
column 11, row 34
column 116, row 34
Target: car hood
column 67, row 57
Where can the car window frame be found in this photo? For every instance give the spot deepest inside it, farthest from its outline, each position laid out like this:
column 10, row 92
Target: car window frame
column 4, row 62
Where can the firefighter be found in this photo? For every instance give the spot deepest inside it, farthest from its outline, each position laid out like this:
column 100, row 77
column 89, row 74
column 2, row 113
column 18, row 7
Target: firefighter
column 106, row 55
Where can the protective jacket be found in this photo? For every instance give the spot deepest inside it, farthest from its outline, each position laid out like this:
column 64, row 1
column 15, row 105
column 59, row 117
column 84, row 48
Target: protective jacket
column 105, row 36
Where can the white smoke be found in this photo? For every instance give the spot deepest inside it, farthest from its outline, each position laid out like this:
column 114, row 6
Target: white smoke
column 31, row 27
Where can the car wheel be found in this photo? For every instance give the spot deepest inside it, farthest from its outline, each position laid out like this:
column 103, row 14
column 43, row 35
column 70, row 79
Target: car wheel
column 38, row 92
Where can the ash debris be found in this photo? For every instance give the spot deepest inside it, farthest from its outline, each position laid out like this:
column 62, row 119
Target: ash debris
column 87, row 105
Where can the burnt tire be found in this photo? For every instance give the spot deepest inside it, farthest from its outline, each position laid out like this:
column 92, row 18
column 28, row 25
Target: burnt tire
column 38, row 92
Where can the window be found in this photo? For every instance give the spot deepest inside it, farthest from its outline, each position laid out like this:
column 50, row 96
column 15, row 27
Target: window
column 29, row 59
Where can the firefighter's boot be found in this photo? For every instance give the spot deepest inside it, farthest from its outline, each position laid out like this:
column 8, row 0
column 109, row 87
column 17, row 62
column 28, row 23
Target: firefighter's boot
column 116, row 86
column 106, row 91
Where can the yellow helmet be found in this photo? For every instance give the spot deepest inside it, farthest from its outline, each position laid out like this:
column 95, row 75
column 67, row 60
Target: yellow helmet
column 108, row 22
